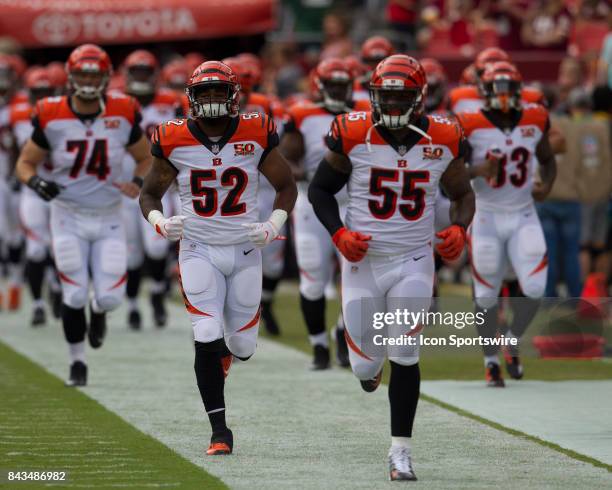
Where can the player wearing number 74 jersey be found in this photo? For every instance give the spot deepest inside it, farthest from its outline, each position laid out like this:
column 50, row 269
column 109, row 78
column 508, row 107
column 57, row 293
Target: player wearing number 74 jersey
column 392, row 160
column 86, row 136
column 216, row 156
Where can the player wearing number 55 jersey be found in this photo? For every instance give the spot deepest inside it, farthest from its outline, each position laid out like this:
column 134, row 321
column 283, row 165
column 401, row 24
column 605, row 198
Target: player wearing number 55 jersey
column 216, row 156
column 392, row 160
column 507, row 139
column 86, row 135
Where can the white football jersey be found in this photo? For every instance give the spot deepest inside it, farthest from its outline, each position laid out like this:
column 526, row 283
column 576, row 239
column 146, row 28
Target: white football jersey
column 161, row 109
column 511, row 190
column 313, row 122
column 6, row 141
column 218, row 179
column 392, row 186
column 21, row 125
column 87, row 155
column 467, row 98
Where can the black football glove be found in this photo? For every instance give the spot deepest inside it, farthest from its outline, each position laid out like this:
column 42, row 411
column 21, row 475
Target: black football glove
column 45, row 189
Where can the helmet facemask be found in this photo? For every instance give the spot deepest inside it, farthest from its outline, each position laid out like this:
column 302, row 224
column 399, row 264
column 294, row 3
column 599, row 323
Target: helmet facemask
column 337, row 92
column 396, row 108
column 141, row 80
column 502, row 94
column 88, row 83
column 212, row 100
column 435, row 95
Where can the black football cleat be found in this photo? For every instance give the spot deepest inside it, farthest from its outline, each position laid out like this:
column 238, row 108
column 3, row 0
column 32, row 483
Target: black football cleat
column 370, row 385
column 320, row 359
column 342, row 354
column 400, row 464
column 493, row 376
column 39, row 317
column 134, row 320
column 513, row 365
column 221, row 443
column 269, row 320
column 78, row 374
column 160, row 317
column 97, row 329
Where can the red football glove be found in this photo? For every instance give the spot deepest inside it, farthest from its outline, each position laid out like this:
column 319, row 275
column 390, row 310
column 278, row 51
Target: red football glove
column 352, row 244
column 453, row 242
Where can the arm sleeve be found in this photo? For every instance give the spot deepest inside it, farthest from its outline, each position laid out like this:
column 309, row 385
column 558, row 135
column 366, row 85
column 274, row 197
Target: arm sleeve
column 333, row 140
column 136, row 132
column 327, row 182
column 272, row 139
column 156, row 148
column 38, row 135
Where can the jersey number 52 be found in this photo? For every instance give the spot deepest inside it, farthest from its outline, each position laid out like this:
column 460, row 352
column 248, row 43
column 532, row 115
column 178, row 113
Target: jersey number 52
column 413, row 198
column 234, row 178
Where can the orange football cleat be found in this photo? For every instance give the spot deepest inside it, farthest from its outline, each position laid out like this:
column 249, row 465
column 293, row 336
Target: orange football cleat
column 493, row 376
column 218, row 448
column 221, row 443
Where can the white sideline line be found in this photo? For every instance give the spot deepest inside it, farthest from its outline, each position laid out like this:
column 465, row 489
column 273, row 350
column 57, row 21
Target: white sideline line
column 292, row 427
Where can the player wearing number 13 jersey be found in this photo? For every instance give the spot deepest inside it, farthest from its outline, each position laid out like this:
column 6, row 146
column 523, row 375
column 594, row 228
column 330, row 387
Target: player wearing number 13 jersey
column 216, row 156
column 392, row 160
column 86, row 135
column 507, row 139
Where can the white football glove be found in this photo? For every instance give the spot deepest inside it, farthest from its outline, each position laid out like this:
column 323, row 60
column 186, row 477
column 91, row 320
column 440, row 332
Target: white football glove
column 262, row 234
column 170, row 228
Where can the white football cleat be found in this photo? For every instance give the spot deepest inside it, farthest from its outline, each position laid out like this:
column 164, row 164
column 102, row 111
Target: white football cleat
column 400, row 464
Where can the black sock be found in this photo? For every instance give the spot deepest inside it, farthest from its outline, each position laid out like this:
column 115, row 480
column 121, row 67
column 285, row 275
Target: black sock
column 523, row 311
column 157, row 269
column 211, row 382
column 487, row 329
column 314, row 314
column 74, row 323
column 14, row 254
column 35, row 272
column 133, row 283
column 404, row 389
column 267, row 294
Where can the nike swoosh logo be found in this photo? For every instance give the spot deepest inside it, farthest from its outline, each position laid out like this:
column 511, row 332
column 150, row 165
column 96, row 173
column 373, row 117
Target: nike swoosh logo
column 247, row 252
column 418, row 258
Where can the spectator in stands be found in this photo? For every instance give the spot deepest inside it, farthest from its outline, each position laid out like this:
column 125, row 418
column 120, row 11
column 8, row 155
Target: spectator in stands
column 605, row 60
column 547, row 25
column 509, row 16
column 402, row 17
column 336, row 40
column 571, row 76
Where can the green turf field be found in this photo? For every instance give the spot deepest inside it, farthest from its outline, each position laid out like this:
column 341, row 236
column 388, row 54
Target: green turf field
column 449, row 363
column 47, row 427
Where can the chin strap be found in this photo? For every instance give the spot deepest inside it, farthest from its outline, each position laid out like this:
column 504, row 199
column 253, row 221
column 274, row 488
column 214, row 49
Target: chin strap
column 410, row 126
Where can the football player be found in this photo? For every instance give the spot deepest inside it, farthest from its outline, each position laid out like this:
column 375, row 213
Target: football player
column 141, row 72
column 11, row 236
column 393, row 159
column 85, row 135
column 373, row 50
column 471, row 97
column 508, row 139
column 437, row 85
column 217, row 155
column 33, row 210
column 248, row 71
column 303, row 144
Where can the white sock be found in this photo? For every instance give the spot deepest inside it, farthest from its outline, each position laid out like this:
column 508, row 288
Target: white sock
column 133, row 304
column 493, row 359
column 157, row 287
column 77, row 351
column 340, row 322
column 319, row 339
column 38, row 303
column 401, row 442
column 15, row 275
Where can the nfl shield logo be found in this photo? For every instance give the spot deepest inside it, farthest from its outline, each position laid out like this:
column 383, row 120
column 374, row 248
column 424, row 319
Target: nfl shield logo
column 215, row 149
column 402, row 150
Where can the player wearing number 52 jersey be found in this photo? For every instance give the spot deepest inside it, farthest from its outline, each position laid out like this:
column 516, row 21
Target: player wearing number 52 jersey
column 216, row 156
column 507, row 140
column 392, row 160
column 86, row 135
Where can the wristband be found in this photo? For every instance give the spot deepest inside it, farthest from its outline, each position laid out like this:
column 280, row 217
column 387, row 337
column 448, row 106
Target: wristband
column 461, row 225
column 139, row 181
column 278, row 218
column 154, row 217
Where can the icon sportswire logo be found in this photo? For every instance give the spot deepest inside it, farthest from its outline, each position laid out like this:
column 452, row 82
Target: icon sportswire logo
column 57, row 28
